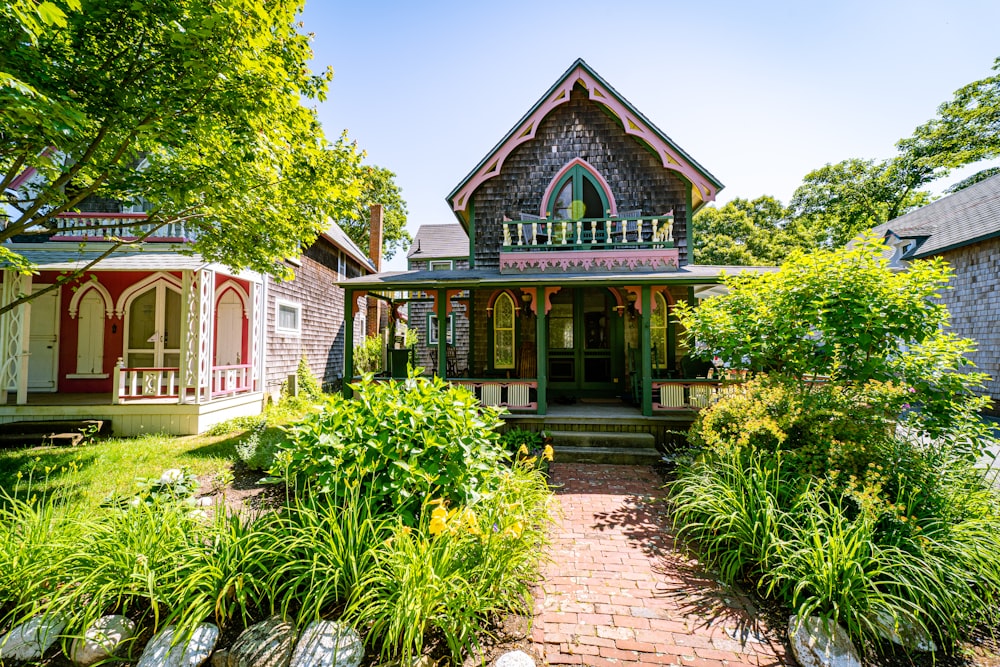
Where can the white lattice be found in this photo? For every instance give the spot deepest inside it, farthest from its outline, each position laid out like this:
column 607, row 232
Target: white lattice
column 206, row 284
column 257, row 313
column 189, row 351
column 10, row 333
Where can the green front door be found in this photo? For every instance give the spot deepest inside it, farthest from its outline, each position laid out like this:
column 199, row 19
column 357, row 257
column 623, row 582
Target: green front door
column 585, row 350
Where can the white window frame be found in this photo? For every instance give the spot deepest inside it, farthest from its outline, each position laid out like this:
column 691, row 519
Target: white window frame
column 447, row 264
column 432, row 330
column 284, row 331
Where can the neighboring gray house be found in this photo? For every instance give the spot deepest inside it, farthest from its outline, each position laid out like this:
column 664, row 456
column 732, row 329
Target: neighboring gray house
column 963, row 229
column 305, row 315
column 440, row 248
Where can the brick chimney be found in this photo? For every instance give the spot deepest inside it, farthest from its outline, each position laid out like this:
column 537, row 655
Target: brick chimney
column 375, row 253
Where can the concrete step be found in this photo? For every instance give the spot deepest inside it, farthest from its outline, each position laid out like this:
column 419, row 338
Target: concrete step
column 600, row 439
column 60, row 433
column 607, row 455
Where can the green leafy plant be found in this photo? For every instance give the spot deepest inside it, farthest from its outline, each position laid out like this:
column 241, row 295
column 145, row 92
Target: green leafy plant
column 258, row 449
column 368, row 356
column 403, row 441
column 308, row 384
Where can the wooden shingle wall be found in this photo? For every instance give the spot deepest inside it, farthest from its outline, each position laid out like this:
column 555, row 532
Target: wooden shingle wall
column 322, row 338
column 974, row 302
column 584, row 129
column 417, row 313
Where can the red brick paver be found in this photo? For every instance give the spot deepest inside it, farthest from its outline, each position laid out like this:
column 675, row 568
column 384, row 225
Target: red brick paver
column 616, row 592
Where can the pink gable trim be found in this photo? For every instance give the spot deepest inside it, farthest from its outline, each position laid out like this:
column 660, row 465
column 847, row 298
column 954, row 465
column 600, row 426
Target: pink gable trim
column 633, row 125
column 598, row 176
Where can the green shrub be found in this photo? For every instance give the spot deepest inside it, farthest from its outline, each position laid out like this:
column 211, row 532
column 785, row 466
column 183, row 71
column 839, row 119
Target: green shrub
column 368, row 356
column 462, row 567
column 258, row 449
column 308, row 384
column 403, row 441
column 810, row 494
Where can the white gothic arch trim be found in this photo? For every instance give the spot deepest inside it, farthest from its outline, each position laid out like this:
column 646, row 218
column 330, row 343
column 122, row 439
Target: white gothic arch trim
column 160, row 276
column 74, row 303
column 240, row 292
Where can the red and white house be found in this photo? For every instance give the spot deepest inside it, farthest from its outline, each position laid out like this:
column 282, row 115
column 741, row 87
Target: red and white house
column 155, row 338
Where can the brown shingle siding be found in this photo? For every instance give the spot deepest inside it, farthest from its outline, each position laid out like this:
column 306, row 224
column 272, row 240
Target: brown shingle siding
column 579, row 128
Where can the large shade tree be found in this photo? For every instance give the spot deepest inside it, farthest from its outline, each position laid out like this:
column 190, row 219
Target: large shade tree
column 192, row 108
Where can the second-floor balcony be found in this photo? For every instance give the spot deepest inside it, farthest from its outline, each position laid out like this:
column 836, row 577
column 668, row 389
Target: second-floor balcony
column 605, row 244
column 116, row 226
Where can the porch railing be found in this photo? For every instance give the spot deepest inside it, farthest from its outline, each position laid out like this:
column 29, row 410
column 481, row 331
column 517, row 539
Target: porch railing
column 130, row 384
column 689, row 394
column 100, row 226
column 510, row 394
column 641, row 232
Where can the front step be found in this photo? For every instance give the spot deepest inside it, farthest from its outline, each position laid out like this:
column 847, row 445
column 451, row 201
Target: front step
column 61, row 433
column 599, row 447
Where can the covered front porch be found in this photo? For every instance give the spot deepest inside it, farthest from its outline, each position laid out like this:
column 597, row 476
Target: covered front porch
column 536, row 343
column 153, row 340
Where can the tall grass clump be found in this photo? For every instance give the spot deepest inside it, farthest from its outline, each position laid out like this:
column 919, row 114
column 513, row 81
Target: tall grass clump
column 841, row 479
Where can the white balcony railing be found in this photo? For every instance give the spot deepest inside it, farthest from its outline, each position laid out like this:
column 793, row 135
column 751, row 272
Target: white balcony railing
column 640, row 232
column 104, row 226
column 139, row 383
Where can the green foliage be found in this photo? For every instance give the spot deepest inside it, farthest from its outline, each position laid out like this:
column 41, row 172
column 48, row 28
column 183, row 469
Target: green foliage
column 966, row 129
column 839, row 201
column 211, row 97
column 403, row 441
column 368, row 356
column 258, row 450
column 308, row 384
column 460, row 567
column 844, row 316
column 378, row 187
column 744, row 232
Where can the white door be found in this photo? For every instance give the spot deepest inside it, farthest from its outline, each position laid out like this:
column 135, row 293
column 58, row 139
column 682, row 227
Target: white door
column 229, row 330
column 153, row 329
column 43, row 341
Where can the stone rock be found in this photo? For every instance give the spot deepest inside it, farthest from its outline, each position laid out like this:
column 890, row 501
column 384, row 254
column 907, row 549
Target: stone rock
column 515, row 659
column 266, row 644
column 819, row 643
column 220, row 658
column 160, row 653
column 101, row 640
column 328, row 644
column 31, row 639
column 907, row 635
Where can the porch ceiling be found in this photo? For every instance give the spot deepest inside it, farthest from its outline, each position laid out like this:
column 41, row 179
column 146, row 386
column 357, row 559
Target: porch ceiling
column 691, row 274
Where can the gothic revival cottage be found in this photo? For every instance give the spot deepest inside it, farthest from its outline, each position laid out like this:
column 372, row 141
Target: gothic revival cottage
column 579, row 246
column 156, row 339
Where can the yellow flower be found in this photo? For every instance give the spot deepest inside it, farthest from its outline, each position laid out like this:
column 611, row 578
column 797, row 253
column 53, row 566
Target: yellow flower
column 439, row 520
column 514, row 530
column 523, row 450
column 548, row 454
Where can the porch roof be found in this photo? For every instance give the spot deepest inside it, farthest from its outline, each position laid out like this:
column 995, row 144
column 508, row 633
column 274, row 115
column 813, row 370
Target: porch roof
column 691, row 274
column 150, row 257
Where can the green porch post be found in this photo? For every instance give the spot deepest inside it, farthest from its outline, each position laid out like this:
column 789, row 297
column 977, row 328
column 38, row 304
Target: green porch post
column 645, row 349
column 442, row 318
column 349, row 300
column 541, row 351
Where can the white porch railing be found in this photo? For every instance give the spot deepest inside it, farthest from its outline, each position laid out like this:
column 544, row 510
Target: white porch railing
column 643, row 232
column 130, row 384
column 97, row 226
column 511, row 394
column 689, row 394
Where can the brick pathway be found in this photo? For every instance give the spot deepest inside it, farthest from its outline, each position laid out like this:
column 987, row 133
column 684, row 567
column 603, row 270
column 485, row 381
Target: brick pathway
column 617, row 593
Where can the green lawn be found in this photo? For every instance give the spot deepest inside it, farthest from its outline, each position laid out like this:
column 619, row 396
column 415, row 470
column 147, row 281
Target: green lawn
column 90, row 473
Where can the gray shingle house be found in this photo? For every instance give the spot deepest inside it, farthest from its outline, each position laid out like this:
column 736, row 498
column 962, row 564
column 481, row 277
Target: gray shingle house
column 964, row 229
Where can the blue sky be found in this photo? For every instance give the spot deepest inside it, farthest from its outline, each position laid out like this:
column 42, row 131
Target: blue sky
column 758, row 93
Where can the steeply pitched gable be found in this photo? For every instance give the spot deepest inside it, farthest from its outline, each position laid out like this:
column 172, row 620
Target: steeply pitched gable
column 704, row 186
